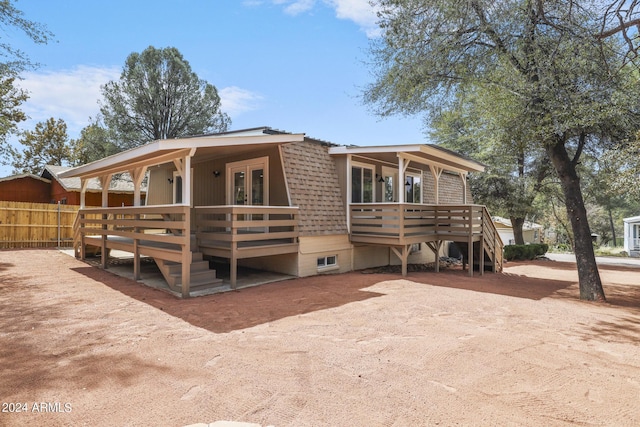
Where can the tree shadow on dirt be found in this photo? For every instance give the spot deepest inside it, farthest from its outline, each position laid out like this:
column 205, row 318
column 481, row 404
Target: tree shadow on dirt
column 36, row 353
column 244, row 308
column 507, row 284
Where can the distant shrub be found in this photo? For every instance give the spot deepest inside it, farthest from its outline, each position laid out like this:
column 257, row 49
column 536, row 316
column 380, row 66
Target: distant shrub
column 524, row 252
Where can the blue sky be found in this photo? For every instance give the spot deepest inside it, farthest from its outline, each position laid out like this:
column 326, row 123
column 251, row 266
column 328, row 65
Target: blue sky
column 295, row 65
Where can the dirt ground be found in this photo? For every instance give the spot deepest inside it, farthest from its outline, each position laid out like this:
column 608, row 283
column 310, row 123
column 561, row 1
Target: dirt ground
column 81, row 346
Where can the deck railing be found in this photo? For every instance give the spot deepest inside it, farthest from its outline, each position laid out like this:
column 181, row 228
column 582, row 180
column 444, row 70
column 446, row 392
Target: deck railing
column 408, row 223
column 635, row 244
column 164, row 225
column 257, row 225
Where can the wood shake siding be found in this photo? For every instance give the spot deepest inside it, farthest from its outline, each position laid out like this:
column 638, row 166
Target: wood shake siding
column 450, row 189
column 313, row 186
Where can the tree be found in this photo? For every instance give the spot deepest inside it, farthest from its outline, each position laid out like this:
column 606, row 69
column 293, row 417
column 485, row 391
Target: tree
column 14, row 61
column 45, row 145
column 10, row 115
column 158, row 96
column 95, row 143
column 570, row 87
column 515, row 172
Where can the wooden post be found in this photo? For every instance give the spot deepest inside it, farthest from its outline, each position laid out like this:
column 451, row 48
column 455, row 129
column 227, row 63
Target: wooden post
column 186, row 253
column 136, row 250
column 482, row 236
column 470, row 248
column 404, row 255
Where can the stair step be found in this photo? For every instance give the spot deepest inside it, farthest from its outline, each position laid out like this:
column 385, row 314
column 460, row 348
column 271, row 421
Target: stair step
column 175, row 267
column 198, row 282
column 198, row 277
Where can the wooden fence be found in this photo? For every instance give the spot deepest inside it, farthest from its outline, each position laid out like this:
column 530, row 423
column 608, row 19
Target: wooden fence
column 36, row 225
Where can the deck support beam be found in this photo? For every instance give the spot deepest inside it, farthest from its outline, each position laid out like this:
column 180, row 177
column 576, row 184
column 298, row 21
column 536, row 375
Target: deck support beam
column 404, row 256
column 435, row 247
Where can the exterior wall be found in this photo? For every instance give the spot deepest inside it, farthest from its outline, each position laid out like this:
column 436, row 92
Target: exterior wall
column 159, row 190
column 313, row 183
column 211, row 190
column 450, row 189
column 313, row 247
column 285, row 264
column 26, row 189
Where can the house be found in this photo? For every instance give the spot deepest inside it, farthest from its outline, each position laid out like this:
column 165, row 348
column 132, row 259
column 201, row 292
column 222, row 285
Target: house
column 531, row 232
column 25, row 187
column 287, row 203
column 632, row 236
column 49, row 187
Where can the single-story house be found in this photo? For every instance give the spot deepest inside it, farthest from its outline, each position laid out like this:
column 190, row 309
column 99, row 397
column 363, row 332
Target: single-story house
column 287, row 203
column 531, row 232
column 49, row 187
column 25, row 187
column 632, row 236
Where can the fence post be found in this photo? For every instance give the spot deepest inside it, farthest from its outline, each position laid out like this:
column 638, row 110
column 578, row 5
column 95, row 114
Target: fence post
column 58, row 224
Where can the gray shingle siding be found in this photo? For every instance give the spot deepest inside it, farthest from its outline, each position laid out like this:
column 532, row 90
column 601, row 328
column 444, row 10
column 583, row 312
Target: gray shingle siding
column 313, row 186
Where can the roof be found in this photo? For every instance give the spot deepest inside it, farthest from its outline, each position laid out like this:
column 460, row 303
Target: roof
column 121, row 183
column 424, row 154
column 161, row 151
column 632, row 219
column 25, row 175
column 528, row 225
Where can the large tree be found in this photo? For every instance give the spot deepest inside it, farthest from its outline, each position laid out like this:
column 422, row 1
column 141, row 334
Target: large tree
column 569, row 83
column 13, row 61
column 484, row 128
column 158, row 96
column 47, row 144
column 95, row 142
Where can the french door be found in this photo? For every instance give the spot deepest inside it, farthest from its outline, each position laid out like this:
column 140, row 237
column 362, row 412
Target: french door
column 248, row 183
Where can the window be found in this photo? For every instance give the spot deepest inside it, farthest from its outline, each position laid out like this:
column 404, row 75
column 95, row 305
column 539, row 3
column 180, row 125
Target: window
column 415, row 248
column 361, row 184
column 327, row 261
column 177, row 188
column 413, row 193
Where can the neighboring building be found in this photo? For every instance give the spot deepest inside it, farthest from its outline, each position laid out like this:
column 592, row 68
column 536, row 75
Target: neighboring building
column 632, row 236
column 531, row 232
column 49, row 187
column 25, row 187
column 288, row 203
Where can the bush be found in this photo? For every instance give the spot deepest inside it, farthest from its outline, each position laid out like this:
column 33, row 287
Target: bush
column 524, row 252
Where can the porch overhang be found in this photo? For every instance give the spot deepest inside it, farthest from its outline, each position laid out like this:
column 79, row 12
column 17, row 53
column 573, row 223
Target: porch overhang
column 420, row 154
column 162, row 151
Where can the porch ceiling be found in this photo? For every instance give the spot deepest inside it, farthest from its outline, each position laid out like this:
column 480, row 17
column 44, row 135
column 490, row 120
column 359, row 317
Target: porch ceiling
column 420, row 155
column 162, row 151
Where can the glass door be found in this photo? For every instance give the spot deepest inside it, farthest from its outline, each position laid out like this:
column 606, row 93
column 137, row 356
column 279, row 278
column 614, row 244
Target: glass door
column 248, row 185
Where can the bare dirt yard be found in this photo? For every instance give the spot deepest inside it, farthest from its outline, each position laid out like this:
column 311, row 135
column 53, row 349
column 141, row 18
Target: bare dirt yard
column 81, row 346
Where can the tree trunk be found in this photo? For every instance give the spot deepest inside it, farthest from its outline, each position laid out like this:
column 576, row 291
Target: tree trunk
column 613, row 229
column 588, row 275
column 516, row 225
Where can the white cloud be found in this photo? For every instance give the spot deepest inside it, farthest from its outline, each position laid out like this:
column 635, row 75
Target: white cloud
column 71, row 95
column 236, row 100
column 361, row 12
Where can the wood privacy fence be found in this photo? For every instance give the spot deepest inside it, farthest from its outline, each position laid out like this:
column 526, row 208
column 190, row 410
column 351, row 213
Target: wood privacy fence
column 36, row 225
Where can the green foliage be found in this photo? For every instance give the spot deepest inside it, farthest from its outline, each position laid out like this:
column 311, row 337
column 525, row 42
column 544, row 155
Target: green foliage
column 13, row 61
column 525, row 252
column 45, row 145
column 10, row 114
column 95, row 143
column 158, row 96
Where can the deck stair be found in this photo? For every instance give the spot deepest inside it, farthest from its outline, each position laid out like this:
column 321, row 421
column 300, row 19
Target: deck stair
column 202, row 277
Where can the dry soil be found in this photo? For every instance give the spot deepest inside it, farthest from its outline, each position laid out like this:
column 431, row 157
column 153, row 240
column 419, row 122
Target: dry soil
column 81, row 346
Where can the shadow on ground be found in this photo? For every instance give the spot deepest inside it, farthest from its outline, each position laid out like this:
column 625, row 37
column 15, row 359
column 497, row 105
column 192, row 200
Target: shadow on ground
column 249, row 307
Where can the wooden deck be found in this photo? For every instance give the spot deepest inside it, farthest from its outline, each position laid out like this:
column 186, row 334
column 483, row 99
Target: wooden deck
column 400, row 225
column 165, row 233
